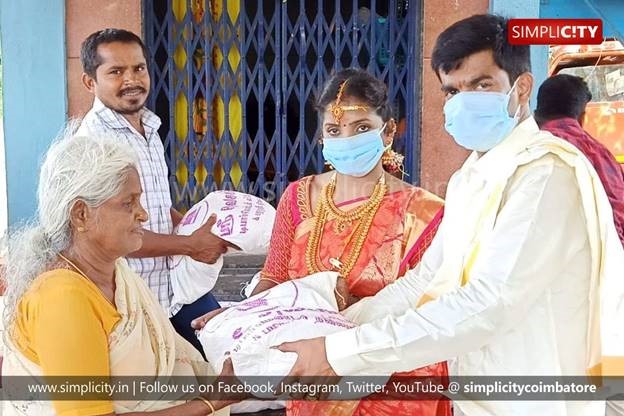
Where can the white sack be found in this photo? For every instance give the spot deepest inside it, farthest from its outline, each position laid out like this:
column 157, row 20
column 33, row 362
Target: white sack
column 244, row 220
column 298, row 309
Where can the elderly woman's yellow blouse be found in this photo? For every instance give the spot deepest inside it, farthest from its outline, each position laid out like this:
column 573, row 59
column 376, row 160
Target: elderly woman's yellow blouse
column 63, row 326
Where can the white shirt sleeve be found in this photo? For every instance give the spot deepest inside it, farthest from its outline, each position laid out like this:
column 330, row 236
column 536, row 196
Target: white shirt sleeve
column 539, row 226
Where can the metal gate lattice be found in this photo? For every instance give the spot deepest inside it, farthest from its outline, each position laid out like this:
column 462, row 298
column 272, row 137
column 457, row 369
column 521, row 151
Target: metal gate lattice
column 234, row 82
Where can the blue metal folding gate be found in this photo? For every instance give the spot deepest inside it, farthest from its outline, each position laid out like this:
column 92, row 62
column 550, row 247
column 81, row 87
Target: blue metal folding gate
column 234, row 82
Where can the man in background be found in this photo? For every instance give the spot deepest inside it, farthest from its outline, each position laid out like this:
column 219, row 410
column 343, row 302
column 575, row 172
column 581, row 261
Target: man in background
column 115, row 68
column 561, row 102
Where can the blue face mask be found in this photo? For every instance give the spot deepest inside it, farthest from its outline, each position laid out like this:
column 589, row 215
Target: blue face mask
column 479, row 120
column 356, row 155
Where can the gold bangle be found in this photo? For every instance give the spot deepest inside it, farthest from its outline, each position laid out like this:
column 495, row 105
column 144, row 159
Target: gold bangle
column 207, row 403
column 270, row 280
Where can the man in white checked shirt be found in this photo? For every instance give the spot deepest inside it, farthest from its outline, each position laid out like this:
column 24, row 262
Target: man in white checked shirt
column 115, row 70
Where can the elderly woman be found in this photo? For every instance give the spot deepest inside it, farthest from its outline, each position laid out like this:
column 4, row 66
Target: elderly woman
column 74, row 308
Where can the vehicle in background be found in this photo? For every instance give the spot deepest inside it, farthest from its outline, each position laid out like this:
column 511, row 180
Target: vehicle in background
column 602, row 67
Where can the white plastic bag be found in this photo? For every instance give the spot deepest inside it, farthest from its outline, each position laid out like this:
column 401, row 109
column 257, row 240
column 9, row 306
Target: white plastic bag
column 252, row 406
column 244, row 220
column 251, row 285
column 298, row 309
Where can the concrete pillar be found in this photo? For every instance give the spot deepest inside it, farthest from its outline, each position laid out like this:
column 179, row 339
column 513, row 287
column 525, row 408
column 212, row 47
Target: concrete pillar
column 440, row 155
column 34, row 86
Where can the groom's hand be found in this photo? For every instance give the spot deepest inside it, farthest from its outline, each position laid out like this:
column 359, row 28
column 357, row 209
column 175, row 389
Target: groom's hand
column 312, row 366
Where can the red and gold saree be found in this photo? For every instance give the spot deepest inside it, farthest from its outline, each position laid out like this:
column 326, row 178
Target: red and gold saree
column 401, row 231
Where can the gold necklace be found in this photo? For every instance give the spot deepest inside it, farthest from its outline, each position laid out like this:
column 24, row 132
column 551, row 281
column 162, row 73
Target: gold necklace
column 325, row 206
column 345, row 219
column 79, row 270
column 68, row 261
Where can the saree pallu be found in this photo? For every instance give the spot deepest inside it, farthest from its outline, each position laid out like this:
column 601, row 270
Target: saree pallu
column 142, row 343
column 401, row 231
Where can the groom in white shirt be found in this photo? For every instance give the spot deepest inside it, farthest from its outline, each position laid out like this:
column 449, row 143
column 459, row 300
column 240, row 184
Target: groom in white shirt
column 523, row 277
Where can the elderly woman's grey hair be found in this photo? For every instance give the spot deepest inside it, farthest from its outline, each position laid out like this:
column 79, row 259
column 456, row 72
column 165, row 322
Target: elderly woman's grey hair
column 88, row 168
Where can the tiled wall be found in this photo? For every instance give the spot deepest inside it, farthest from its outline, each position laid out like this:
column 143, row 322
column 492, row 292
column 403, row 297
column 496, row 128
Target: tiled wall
column 440, row 156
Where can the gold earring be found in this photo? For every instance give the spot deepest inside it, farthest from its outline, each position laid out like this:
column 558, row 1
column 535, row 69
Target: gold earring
column 80, row 229
column 392, row 161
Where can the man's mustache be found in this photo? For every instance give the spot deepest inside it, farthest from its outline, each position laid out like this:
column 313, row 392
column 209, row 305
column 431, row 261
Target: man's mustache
column 131, row 89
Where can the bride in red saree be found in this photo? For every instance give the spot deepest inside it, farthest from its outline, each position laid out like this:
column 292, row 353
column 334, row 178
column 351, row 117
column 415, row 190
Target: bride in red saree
column 358, row 220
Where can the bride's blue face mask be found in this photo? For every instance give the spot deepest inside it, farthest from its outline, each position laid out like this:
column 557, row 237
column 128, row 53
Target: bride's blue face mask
column 479, row 120
column 356, row 155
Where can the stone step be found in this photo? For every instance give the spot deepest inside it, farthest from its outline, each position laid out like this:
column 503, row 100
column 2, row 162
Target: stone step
column 238, row 269
column 238, row 260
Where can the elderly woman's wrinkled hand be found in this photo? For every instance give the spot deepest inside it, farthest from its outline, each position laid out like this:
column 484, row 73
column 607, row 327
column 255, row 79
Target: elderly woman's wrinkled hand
column 199, row 323
column 228, row 368
column 226, row 397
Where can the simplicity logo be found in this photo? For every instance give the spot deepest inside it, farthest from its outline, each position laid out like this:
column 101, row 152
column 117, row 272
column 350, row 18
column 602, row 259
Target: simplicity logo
column 554, row 31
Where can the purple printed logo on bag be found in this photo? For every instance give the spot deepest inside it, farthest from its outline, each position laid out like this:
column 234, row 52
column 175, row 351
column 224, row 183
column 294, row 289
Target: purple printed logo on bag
column 226, row 226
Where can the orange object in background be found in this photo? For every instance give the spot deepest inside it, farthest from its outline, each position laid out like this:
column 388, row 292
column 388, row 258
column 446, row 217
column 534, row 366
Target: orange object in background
column 602, row 68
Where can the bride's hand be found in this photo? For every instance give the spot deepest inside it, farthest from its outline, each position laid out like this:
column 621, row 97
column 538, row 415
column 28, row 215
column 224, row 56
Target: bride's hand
column 342, row 293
